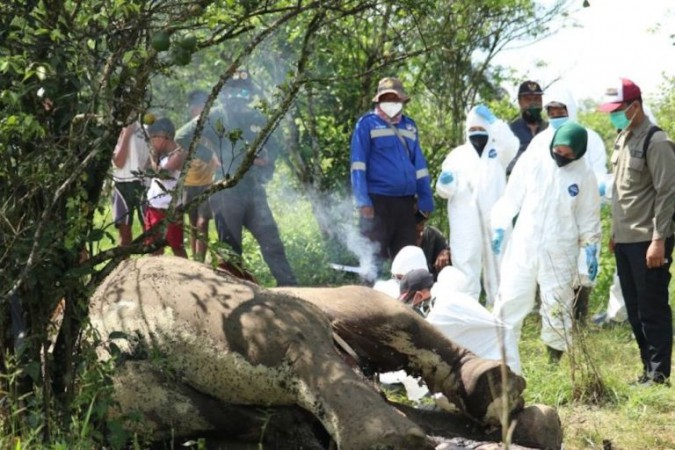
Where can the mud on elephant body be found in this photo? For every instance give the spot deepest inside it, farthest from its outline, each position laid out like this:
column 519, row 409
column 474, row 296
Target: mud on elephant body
column 240, row 344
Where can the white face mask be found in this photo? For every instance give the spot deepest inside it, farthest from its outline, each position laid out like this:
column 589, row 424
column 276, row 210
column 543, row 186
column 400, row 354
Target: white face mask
column 391, row 109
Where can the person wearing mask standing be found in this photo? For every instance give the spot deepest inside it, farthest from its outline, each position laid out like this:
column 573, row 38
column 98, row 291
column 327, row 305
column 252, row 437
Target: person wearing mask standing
column 555, row 196
column 389, row 175
column 560, row 108
column 473, row 178
column 643, row 209
column 530, row 123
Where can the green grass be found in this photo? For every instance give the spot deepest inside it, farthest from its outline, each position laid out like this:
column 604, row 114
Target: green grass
column 309, row 255
column 629, row 417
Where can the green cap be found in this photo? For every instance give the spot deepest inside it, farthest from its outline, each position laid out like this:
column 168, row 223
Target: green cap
column 572, row 135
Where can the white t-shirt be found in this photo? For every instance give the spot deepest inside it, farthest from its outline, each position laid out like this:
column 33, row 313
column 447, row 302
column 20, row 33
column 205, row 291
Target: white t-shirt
column 159, row 193
column 136, row 158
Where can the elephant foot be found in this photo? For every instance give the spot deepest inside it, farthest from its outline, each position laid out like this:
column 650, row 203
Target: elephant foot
column 538, row 426
column 489, row 390
column 395, row 439
column 387, row 428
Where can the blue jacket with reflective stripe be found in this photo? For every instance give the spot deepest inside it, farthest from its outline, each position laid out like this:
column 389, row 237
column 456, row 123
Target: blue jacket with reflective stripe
column 381, row 163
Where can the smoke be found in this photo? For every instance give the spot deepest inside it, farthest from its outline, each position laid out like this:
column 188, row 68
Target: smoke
column 332, row 209
column 335, row 217
column 269, row 67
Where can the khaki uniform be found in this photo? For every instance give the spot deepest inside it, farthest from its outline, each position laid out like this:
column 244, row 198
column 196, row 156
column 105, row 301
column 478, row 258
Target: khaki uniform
column 643, row 200
column 644, row 187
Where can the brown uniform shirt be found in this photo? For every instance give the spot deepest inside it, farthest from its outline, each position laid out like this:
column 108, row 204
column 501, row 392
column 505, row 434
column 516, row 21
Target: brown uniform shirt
column 643, row 196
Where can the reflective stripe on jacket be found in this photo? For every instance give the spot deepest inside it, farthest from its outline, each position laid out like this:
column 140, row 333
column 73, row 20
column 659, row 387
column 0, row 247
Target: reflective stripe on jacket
column 382, row 164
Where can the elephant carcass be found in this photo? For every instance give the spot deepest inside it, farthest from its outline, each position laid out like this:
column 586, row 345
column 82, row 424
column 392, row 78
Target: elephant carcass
column 387, row 335
column 244, row 345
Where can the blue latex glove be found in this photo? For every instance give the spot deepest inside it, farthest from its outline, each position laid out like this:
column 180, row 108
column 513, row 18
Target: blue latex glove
column 602, row 188
column 592, row 260
column 486, row 114
column 497, row 239
column 446, row 177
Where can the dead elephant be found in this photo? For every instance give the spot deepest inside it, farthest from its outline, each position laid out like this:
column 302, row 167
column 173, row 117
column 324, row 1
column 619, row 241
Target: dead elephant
column 201, row 338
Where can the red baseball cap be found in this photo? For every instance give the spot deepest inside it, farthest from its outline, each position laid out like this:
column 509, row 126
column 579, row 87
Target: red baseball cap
column 626, row 92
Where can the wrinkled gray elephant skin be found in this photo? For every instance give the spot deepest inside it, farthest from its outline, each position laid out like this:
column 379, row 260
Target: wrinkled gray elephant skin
column 240, row 344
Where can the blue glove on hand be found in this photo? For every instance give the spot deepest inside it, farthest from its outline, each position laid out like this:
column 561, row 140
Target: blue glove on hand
column 497, row 239
column 602, row 189
column 486, row 114
column 592, row 261
column 446, row 177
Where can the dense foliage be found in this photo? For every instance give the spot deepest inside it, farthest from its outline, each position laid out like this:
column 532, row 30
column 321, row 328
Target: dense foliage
column 73, row 73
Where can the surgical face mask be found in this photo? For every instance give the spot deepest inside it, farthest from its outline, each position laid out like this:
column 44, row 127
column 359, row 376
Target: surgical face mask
column 479, row 140
column 620, row 120
column 391, row 109
column 557, row 122
column 560, row 160
column 532, row 114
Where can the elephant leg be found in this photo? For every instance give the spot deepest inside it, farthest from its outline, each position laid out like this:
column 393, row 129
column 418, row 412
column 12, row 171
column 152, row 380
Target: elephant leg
column 173, row 410
column 298, row 342
column 389, row 336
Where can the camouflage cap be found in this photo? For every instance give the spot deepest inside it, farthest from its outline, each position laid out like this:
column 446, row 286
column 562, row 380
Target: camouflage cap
column 390, row 85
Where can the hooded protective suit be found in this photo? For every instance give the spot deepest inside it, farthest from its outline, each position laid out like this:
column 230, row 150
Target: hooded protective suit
column 558, row 213
column 478, row 181
column 595, row 157
column 408, row 258
column 466, row 322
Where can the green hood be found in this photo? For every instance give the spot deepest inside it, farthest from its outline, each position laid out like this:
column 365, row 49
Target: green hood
column 572, row 135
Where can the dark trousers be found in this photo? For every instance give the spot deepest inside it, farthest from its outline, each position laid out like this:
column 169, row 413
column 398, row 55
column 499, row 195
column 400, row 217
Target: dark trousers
column 239, row 207
column 392, row 228
column 646, row 294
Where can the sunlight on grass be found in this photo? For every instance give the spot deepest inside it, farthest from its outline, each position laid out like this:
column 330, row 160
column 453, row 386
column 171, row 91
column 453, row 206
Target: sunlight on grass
column 628, row 417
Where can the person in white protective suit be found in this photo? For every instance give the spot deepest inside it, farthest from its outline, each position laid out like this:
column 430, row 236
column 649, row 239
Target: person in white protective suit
column 473, row 177
column 616, row 307
column 466, row 322
column 408, row 258
column 561, row 107
column 555, row 196
column 460, row 318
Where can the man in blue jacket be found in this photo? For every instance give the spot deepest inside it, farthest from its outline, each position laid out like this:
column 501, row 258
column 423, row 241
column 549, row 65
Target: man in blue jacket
column 390, row 179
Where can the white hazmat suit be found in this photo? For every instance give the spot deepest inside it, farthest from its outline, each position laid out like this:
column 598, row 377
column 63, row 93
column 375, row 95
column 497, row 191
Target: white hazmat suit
column 408, row 258
column 595, row 157
column 558, row 212
column 467, row 323
column 477, row 183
